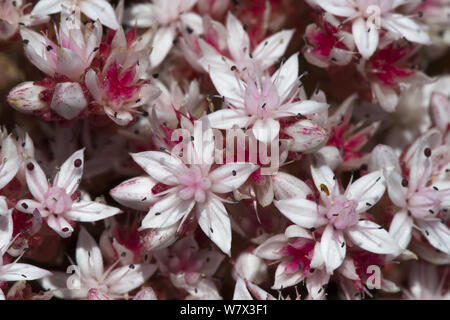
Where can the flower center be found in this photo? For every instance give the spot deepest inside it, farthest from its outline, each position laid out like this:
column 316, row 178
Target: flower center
column 195, row 185
column 57, row 200
column 261, row 101
column 342, row 213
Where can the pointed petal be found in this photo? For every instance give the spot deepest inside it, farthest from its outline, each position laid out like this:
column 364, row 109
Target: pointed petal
column 162, row 43
column 70, row 173
column 22, row 271
column 302, row 212
column 271, row 248
column 36, row 180
column 215, row 223
column 228, row 118
column 230, row 176
column 366, row 37
column 159, row 165
column 88, row 211
column 287, row 186
column 272, row 48
column 88, row 256
column 100, row 10
column 437, row 234
column 9, row 162
column 367, row 190
column 237, row 39
column 403, row 26
column 266, row 130
column 401, row 228
column 332, row 248
column 286, row 76
column 127, row 278
column 135, row 193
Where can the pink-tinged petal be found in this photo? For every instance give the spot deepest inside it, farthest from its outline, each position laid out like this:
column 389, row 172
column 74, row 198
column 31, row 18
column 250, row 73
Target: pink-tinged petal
column 420, row 171
column 60, row 226
column 384, row 157
column 68, row 100
column 302, row 212
column 317, row 259
column 250, row 267
column 58, row 284
column 270, row 50
column 228, row 86
column 284, row 279
column 341, row 8
column 22, row 271
column 367, row 190
column 140, row 15
column 6, row 226
column 167, row 211
column 92, row 85
column 307, row 135
column 228, row 118
column 46, row 7
column 266, row 130
column 294, row 231
column 371, row 237
column 100, row 10
column 161, row 238
column 88, row 211
column 93, row 42
column 237, row 39
column 121, row 118
column 70, row 172
column 10, row 161
column 405, row 27
column 135, row 193
column 285, row 78
column 211, row 59
column 160, row 165
column 240, row 291
column 145, row 294
column 215, row 223
column 230, row 176
column 359, row 139
column 36, row 51
column 95, row 294
column 69, row 63
column 193, row 21
column 28, row 206
column 124, row 279
column 271, row 248
column 264, row 192
column 329, row 156
column 258, row 293
column 431, row 255
column 25, row 97
column 162, row 43
column 437, row 234
column 287, row 186
column 316, row 283
column 401, row 228
column 348, row 269
column 36, row 180
column 440, row 110
column 387, row 97
column 366, row 37
column 304, row 107
column 88, row 255
column 324, row 179
column 332, row 248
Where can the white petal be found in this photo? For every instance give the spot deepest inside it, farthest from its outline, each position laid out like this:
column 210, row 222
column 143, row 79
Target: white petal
column 272, row 48
column 403, row 26
column 237, row 39
column 92, row 85
column 9, row 162
column 271, row 248
column 437, row 234
column 315, row 284
column 286, row 76
column 302, row 212
column 146, row 294
column 371, row 237
column 307, row 135
column 228, row 86
column 167, row 211
column 266, row 130
column 69, row 63
column 287, row 186
column 100, row 10
column 21, row 271
column 160, row 165
column 387, row 97
column 295, row 231
column 215, row 223
column 230, row 176
column 36, row 51
column 420, row 171
column 60, row 226
column 366, row 37
column 70, row 173
column 88, row 256
column 68, row 100
column 401, row 228
column 162, row 43
column 284, row 279
column 135, row 193
column 88, row 211
column 332, row 248
column 367, row 190
column 341, row 8
column 121, row 117
column 228, row 118
column 127, row 278
column 305, row 107
column 46, row 7
column 140, row 15
column 36, row 180
column 323, row 176
column 240, row 291
column 58, row 284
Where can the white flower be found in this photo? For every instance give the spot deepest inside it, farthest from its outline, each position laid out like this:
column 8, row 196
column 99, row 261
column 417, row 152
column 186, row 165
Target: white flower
column 57, row 201
column 91, row 280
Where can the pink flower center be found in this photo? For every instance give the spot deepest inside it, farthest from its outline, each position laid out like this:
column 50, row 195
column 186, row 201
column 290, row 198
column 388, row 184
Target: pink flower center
column 57, row 200
column 342, row 213
column 261, row 101
column 195, row 185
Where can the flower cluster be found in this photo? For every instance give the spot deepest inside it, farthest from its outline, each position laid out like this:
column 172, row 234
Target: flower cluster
column 283, row 149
